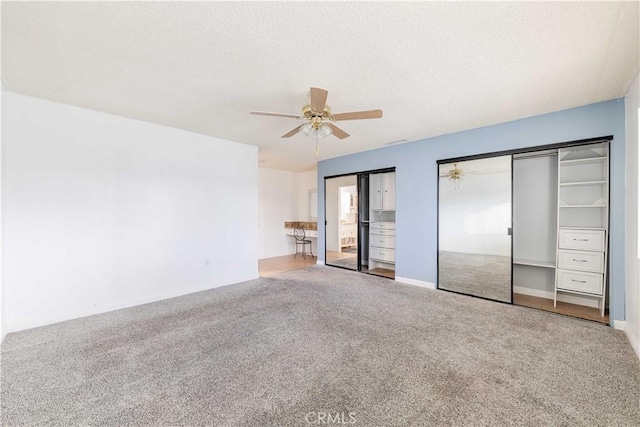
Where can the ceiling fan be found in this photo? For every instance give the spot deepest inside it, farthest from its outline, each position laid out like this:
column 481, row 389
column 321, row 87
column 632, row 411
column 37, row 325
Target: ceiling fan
column 318, row 117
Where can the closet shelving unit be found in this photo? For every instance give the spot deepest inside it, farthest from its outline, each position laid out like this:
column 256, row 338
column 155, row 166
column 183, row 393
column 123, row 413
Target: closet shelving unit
column 382, row 227
column 583, row 222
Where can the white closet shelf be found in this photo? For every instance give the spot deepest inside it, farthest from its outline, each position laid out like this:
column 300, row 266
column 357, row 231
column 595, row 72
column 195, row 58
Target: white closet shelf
column 582, row 183
column 546, row 264
column 583, row 206
column 583, row 161
column 581, row 228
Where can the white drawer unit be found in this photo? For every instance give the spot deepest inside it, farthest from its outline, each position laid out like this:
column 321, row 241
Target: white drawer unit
column 586, row 240
column 578, row 281
column 382, row 225
column 382, row 254
column 382, row 244
column 377, row 241
column 581, row 260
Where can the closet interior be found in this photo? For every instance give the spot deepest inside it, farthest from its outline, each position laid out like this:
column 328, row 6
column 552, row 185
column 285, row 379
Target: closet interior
column 559, row 229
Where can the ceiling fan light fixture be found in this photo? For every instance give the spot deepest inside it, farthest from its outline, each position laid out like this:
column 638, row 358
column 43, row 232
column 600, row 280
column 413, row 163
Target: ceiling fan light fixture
column 306, row 128
column 325, row 130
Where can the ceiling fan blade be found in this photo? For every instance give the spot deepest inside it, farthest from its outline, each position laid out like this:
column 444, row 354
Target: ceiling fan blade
column 318, row 99
column 266, row 113
column 357, row 115
column 337, row 131
column 291, row 132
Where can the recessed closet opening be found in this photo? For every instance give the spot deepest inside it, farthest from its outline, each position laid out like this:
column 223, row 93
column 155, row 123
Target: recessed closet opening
column 528, row 227
column 360, row 223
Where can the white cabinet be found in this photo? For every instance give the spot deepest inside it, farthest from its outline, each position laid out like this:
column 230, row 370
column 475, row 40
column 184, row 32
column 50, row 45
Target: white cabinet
column 382, row 191
column 389, row 191
column 375, row 192
column 583, row 221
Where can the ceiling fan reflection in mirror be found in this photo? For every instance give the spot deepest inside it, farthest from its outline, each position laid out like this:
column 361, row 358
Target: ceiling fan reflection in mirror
column 455, row 174
column 318, row 118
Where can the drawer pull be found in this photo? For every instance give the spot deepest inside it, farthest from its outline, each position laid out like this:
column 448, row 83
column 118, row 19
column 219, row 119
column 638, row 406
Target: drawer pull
column 579, row 260
column 578, row 281
column 581, row 240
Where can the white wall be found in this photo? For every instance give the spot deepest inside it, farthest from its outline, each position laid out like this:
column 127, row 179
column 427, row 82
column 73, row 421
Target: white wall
column 282, row 196
column 102, row 212
column 277, row 203
column 632, row 281
column 306, row 181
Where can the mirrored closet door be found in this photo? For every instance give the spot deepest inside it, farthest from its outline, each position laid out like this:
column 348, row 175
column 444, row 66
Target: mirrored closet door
column 474, row 227
column 341, row 214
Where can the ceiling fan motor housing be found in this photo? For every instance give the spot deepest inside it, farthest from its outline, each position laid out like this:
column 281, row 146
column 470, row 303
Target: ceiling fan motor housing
column 307, row 113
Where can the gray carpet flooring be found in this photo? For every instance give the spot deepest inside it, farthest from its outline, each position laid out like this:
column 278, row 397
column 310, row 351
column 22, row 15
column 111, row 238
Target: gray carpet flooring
column 321, row 340
column 486, row 276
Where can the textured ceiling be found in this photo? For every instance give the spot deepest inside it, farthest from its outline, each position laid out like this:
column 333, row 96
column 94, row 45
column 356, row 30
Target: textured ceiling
column 433, row 68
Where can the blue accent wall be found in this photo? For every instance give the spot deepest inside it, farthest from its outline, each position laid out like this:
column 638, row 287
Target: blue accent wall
column 417, row 183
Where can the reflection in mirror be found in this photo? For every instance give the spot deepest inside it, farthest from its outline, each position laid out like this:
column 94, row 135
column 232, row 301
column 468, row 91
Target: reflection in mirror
column 312, row 205
column 341, row 230
column 474, row 234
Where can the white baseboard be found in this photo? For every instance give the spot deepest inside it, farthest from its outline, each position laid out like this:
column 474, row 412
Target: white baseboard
column 415, row 282
column 571, row 299
column 621, row 325
column 634, row 342
column 320, row 262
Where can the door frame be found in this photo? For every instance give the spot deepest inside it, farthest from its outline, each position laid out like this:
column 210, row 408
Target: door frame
column 358, row 223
